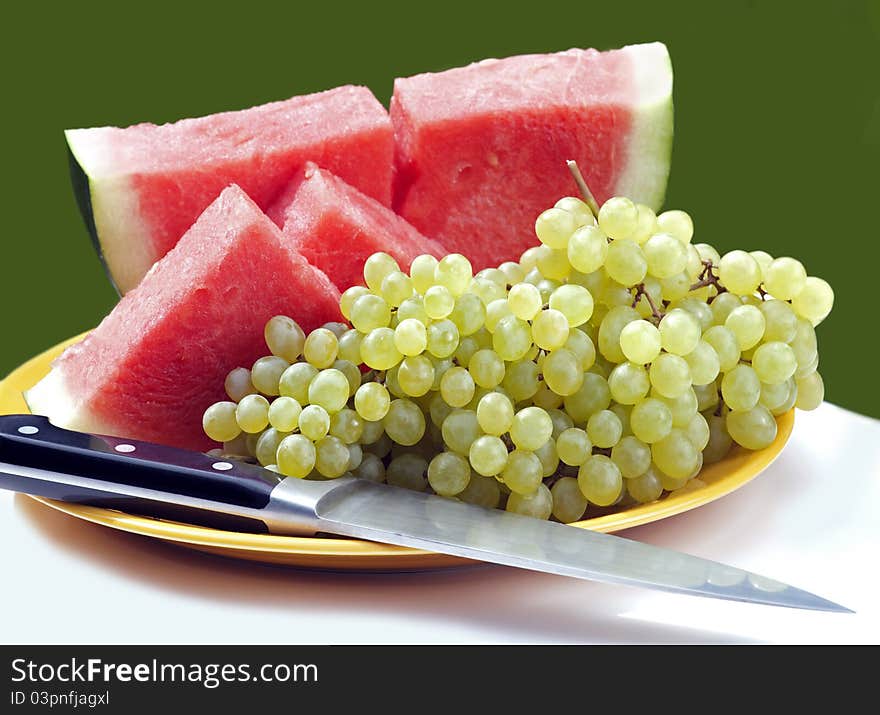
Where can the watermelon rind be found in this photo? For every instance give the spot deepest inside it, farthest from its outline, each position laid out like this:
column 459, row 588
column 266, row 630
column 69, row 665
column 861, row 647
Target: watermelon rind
column 649, row 146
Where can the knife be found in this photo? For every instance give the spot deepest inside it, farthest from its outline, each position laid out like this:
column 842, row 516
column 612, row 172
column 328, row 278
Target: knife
column 41, row 459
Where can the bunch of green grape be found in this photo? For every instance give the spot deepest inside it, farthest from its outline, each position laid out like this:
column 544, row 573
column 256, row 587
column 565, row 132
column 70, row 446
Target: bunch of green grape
column 605, row 367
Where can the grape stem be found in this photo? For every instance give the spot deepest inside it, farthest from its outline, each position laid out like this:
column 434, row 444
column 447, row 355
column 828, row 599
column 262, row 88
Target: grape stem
column 707, row 277
column 655, row 311
column 586, row 194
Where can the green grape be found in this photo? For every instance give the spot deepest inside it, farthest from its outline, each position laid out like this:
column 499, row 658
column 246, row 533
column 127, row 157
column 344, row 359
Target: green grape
column 349, row 296
column 546, row 399
column 554, row 227
column 495, row 414
column 381, row 446
column 454, row 271
column 238, row 384
column 645, row 488
column 614, row 294
column 321, row 348
column 810, row 392
column 347, row 425
column 561, row 422
column 421, row 271
column 582, row 346
column 405, row 422
column 512, row 338
column 529, row 259
column 408, row 471
column 486, row 368
column 682, row 408
column 284, row 337
column 438, row 410
column 708, row 253
column 238, row 446
column 672, row 484
column 266, row 374
column 814, row 301
column 763, row 258
column 583, row 216
column 296, row 456
column 790, row 401
column 448, row 473
column 531, row 428
column 329, row 389
column 548, row 457
column 523, row 472
column 665, row 255
column 538, row 504
column 252, row 414
column 722, row 306
column 697, row 431
column 679, row 332
column 443, row 338
column 466, row 349
column 670, row 375
column 495, row 312
column 513, row 272
column 350, row 346
column 720, row 440
column 677, row 224
column 625, row 262
column 371, row 401
column 725, row 345
column 295, row 381
column 488, row 455
column 378, row 350
column 651, row 420
column 553, row 264
column 481, row 491
column 574, row 302
column 604, row 429
column 780, row 322
column 439, row 302
column 266, row 449
column 784, row 278
column 587, row 249
column 496, row 275
column 352, row 374
column 457, row 387
column 410, row 337
column 573, row 446
column 618, row 217
column 569, row 503
column 396, row 288
column 647, row 224
column 331, row 457
column 562, row 373
column 371, row 468
column 610, row 330
column 370, row 312
column 640, row 341
column 741, row 388
column 675, row 454
column 739, row 272
column 415, row 376
column 628, row 383
column 673, row 288
column 524, row 300
column 747, row 324
column 460, row 429
column 632, row 457
column 219, row 422
column 599, row 480
column 752, row 428
column 355, row 457
column 314, row 422
column 697, row 308
column 703, row 363
column 623, row 412
column 804, row 343
column 469, row 314
column 284, row 415
column 413, row 308
column 520, row 380
column 774, row 362
column 593, row 396
column 707, row 395
column 376, row 268
column 775, row 395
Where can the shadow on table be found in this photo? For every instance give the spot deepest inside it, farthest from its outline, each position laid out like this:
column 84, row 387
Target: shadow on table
column 520, row 606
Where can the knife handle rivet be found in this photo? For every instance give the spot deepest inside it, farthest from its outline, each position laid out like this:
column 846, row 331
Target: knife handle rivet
column 28, row 429
column 126, row 448
column 222, row 466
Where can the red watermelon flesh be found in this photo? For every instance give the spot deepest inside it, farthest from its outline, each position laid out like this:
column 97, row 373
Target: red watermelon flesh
column 141, row 187
column 481, row 150
column 337, row 228
column 152, row 367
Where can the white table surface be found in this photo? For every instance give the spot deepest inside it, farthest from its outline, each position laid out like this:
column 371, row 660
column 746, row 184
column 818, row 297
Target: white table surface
column 812, row 520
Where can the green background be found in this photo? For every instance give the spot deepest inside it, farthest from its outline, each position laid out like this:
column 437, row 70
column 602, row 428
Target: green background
column 777, row 140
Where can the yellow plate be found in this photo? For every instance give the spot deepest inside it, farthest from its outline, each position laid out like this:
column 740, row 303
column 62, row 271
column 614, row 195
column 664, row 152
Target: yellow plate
column 714, row 481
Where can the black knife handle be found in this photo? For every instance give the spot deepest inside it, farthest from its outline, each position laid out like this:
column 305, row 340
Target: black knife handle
column 32, row 441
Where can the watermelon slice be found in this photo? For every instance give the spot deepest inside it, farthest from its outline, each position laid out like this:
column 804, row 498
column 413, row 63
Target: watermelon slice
column 153, row 366
column 141, row 187
column 481, row 150
column 337, row 228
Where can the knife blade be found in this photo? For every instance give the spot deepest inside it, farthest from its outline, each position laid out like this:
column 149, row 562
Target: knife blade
column 41, row 459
